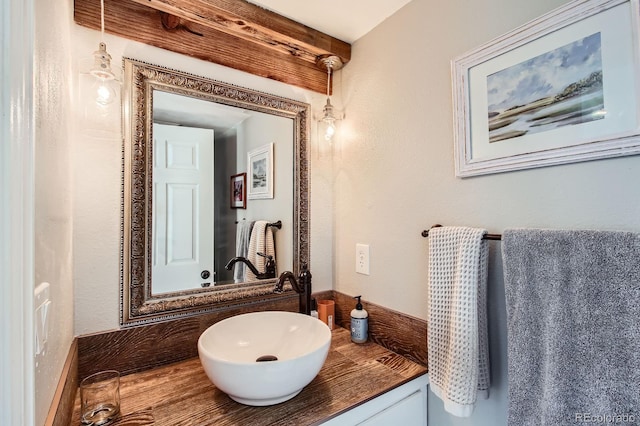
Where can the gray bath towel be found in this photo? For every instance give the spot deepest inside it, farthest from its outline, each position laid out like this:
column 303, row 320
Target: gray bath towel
column 573, row 320
column 243, row 234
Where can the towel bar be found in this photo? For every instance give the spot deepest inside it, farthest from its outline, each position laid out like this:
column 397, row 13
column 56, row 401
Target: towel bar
column 495, row 237
column 277, row 224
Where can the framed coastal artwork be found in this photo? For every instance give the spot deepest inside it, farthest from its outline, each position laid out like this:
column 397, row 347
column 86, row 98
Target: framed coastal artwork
column 562, row 88
column 239, row 191
column 260, row 171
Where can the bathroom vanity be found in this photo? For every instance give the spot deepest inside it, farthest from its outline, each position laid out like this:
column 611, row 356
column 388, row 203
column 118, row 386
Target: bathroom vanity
column 358, row 384
column 405, row 405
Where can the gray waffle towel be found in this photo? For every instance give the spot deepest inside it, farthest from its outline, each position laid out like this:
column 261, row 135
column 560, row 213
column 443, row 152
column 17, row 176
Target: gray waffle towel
column 573, row 320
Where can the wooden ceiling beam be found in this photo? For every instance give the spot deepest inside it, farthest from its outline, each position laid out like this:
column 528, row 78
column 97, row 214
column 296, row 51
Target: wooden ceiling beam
column 233, row 33
column 254, row 23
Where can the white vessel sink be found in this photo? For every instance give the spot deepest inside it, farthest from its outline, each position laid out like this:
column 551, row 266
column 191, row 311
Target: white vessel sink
column 264, row 358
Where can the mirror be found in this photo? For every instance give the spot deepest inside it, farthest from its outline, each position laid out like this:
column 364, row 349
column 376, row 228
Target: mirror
column 238, row 127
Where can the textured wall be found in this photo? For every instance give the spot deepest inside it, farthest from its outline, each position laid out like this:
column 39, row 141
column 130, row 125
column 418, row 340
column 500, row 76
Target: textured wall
column 53, row 195
column 395, row 175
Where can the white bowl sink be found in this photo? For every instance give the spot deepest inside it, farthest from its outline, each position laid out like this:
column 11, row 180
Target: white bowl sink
column 264, row 358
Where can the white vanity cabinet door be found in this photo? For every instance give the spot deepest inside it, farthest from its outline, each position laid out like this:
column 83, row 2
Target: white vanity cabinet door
column 406, row 412
column 405, row 405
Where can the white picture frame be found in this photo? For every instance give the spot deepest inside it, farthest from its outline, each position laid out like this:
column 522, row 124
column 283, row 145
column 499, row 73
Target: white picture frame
column 260, row 173
column 502, row 124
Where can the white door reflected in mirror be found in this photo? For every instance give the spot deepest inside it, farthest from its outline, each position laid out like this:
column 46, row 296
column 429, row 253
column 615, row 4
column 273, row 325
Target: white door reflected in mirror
column 182, row 208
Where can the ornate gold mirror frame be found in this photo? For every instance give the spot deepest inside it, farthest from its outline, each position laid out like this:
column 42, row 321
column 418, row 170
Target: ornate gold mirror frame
column 138, row 305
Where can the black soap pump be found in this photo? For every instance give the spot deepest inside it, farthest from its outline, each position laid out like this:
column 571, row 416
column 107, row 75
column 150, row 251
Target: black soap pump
column 359, row 323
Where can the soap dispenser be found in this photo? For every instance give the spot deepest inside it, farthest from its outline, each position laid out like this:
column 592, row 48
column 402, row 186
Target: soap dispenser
column 359, row 323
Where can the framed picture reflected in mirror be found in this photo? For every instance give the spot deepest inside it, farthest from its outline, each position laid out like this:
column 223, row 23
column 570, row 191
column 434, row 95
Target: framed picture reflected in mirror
column 239, row 191
column 260, row 169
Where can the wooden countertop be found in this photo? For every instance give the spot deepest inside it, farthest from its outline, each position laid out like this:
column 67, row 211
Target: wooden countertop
column 181, row 393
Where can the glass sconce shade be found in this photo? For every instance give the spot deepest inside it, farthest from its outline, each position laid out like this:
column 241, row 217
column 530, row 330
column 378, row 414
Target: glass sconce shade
column 327, row 124
column 105, row 87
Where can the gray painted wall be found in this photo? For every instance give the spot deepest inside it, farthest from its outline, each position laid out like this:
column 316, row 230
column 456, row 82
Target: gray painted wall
column 225, row 151
column 394, row 175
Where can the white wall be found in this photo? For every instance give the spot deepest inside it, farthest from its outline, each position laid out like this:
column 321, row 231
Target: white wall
column 96, row 161
column 53, row 199
column 395, row 175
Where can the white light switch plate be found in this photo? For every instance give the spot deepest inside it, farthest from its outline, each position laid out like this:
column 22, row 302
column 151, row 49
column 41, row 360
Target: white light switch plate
column 41, row 314
column 362, row 259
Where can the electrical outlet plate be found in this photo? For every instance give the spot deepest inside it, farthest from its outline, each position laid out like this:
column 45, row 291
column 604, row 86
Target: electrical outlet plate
column 362, row 259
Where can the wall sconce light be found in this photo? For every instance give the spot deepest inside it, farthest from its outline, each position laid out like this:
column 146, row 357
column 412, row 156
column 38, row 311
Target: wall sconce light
column 106, row 84
column 327, row 123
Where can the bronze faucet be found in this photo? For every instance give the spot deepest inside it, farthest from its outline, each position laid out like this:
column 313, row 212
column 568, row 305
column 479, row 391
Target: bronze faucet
column 302, row 286
column 270, row 267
